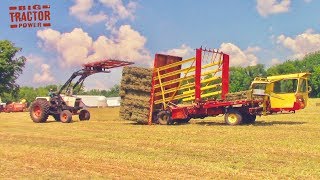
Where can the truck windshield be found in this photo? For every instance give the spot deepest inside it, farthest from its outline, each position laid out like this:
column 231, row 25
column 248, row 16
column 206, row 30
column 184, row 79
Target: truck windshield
column 285, row 86
column 303, row 85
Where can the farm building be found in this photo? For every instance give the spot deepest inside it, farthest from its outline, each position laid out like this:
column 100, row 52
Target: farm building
column 113, row 101
column 100, row 101
column 93, row 101
column 96, row 101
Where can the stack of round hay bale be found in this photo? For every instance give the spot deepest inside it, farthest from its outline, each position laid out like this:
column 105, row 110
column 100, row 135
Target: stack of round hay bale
column 135, row 93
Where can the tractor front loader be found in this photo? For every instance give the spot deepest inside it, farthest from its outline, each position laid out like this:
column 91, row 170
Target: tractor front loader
column 62, row 107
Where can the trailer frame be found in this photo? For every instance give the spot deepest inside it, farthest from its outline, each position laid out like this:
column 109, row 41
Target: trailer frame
column 169, row 89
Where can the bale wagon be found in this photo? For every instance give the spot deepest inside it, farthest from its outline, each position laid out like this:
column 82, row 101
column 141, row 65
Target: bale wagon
column 177, row 90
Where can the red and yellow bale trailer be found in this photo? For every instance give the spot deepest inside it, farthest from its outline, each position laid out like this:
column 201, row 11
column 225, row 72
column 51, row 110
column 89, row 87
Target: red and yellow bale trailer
column 199, row 87
column 196, row 88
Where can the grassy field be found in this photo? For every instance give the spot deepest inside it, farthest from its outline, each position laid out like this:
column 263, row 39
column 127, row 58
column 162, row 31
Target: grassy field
column 278, row 146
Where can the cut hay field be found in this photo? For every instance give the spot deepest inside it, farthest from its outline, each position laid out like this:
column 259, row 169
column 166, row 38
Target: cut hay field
column 278, row 146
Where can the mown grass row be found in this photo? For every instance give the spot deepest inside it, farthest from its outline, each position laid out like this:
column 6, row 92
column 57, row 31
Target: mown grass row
column 278, row 146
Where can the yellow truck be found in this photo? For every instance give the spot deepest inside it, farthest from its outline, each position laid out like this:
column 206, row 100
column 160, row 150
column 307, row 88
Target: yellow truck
column 283, row 92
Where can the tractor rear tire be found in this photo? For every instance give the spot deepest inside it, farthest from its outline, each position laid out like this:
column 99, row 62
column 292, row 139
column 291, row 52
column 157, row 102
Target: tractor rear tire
column 233, row 117
column 164, row 118
column 84, row 115
column 65, row 116
column 39, row 111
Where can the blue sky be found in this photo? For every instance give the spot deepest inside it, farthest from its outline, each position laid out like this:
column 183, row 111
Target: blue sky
column 252, row 31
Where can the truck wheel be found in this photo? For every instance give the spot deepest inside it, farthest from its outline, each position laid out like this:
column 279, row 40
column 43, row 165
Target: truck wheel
column 249, row 118
column 56, row 117
column 84, row 115
column 164, row 118
column 233, row 117
column 39, row 111
column 65, row 116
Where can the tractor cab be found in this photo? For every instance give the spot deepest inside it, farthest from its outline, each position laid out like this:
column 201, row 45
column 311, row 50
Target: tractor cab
column 283, row 92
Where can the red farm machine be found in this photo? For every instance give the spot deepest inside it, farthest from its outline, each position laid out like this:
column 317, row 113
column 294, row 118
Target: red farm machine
column 198, row 87
column 62, row 107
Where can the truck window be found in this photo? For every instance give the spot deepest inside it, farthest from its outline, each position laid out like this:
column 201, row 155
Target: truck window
column 285, row 86
column 259, row 86
column 303, row 85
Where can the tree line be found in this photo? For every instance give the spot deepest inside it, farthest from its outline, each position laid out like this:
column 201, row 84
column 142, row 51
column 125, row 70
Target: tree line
column 240, row 77
column 30, row 93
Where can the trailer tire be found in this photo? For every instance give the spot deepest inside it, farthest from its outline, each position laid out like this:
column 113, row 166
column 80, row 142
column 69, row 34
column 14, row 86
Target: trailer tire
column 84, row 115
column 249, row 118
column 65, row 116
column 39, row 111
column 233, row 117
column 164, row 118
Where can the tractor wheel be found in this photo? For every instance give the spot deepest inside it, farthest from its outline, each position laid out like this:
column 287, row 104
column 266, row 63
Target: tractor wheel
column 249, row 118
column 65, row 116
column 39, row 111
column 233, row 117
column 164, row 118
column 84, row 115
column 56, row 117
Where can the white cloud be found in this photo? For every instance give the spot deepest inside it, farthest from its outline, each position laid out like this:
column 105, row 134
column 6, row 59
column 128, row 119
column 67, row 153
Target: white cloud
column 37, row 62
column 268, row 7
column 77, row 47
column 184, row 51
column 125, row 44
column 81, row 10
column 72, row 47
column 302, row 44
column 307, row 1
column 239, row 57
column 34, row 60
column 253, row 49
column 120, row 9
column 275, row 61
column 45, row 76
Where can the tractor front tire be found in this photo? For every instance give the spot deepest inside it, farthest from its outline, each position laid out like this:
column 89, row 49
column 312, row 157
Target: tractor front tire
column 164, row 118
column 39, row 111
column 65, row 116
column 84, row 115
column 233, row 117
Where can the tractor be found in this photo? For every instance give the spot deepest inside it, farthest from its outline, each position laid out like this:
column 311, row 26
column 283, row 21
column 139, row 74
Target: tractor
column 63, row 106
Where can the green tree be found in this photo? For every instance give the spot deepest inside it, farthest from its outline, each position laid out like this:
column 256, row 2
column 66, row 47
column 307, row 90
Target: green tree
column 241, row 77
column 10, row 67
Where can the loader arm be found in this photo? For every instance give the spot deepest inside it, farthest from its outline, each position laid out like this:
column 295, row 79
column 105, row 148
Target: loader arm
column 102, row 66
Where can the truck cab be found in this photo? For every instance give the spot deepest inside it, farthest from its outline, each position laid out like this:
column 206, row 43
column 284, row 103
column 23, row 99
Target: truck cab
column 283, row 92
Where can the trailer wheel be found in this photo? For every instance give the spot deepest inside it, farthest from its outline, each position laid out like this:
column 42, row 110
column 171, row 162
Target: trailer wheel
column 65, row 116
column 39, row 111
column 84, row 115
column 164, row 118
column 233, row 117
column 249, row 118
